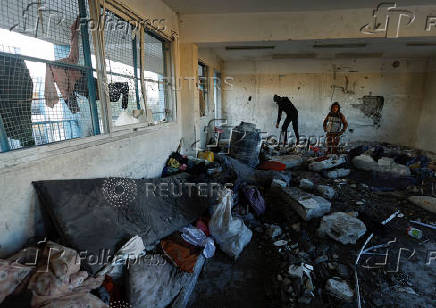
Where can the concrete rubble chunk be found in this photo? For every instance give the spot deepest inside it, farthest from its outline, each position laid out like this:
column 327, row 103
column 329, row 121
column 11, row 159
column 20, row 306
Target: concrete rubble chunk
column 280, row 243
column 342, row 227
column 302, row 272
column 339, row 289
column 274, row 231
column 306, row 184
column 384, row 165
column 278, row 183
column 297, row 271
column 326, row 191
column 306, row 205
column 327, row 164
column 426, row 202
column 291, row 161
column 337, row 173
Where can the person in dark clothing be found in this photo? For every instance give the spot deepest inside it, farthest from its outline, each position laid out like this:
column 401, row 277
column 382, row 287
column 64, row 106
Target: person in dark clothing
column 16, row 90
column 291, row 116
column 334, row 125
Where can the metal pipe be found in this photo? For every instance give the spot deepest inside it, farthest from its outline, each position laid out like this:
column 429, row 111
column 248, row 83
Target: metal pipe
column 88, row 63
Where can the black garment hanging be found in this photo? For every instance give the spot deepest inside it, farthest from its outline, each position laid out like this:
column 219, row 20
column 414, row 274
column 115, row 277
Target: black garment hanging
column 116, row 89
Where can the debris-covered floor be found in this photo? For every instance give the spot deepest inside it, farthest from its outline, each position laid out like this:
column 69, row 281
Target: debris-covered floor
column 399, row 273
column 260, row 277
column 296, row 228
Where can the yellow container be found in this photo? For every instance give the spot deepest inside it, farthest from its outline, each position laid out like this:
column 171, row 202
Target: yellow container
column 207, row 155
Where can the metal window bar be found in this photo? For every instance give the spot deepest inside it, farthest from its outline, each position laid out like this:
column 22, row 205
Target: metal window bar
column 156, row 72
column 45, row 93
column 121, row 59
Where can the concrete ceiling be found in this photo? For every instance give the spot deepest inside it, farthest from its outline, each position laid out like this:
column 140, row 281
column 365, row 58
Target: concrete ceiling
column 327, row 49
column 246, row 6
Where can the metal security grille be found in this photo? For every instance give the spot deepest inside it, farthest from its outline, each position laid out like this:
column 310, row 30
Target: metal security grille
column 121, row 59
column 44, row 94
column 154, row 75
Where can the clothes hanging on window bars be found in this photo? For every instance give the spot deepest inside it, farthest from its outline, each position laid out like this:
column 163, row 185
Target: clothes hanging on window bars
column 64, row 77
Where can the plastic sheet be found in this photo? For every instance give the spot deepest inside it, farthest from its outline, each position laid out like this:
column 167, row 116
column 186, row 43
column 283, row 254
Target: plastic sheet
column 230, row 233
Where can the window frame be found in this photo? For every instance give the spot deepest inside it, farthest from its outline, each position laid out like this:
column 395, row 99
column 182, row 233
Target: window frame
column 85, row 67
column 99, row 71
column 128, row 16
column 204, row 86
column 167, row 75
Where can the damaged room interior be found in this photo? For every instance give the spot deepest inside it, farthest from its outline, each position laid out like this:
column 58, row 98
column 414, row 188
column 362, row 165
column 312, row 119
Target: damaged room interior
column 186, row 153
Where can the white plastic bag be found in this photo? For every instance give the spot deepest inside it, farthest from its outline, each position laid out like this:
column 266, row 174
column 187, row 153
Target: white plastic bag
column 231, row 234
column 132, row 250
column 197, row 237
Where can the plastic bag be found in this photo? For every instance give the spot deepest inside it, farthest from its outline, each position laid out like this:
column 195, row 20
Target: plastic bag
column 197, row 237
column 131, row 250
column 231, row 234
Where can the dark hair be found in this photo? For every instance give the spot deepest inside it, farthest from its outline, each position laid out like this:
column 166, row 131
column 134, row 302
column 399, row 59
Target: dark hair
column 335, row 104
column 276, row 98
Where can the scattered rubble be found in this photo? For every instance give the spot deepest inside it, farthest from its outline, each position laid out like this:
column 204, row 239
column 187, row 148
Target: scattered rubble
column 280, row 243
column 337, row 173
column 326, row 191
column 290, row 161
column 306, row 205
column 384, row 165
column 273, row 231
column 327, row 163
column 426, row 202
column 342, row 227
column 340, row 289
column 283, row 262
column 278, row 183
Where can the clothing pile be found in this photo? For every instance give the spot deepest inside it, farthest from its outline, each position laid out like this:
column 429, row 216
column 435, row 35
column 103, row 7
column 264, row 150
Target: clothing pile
column 54, row 278
column 175, row 163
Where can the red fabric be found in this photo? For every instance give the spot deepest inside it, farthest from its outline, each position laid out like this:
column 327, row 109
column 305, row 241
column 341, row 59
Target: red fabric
column 180, row 252
column 200, row 224
column 333, row 142
column 112, row 289
column 321, row 158
column 272, row 165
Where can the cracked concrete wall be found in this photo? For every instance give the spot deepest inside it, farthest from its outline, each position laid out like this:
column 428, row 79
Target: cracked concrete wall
column 308, row 83
column 426, row 132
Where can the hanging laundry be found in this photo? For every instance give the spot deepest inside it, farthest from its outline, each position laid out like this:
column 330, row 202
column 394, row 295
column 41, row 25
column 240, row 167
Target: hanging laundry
column 64, row 77
column 117, row 89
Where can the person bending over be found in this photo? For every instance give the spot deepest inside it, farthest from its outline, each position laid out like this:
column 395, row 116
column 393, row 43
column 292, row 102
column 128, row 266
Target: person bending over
column 285, row 105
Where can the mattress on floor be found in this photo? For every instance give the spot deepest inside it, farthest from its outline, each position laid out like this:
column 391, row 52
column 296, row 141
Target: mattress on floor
column 97, row 216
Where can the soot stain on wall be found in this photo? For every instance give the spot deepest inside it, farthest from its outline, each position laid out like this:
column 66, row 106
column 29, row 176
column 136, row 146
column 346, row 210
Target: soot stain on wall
column 372, row 107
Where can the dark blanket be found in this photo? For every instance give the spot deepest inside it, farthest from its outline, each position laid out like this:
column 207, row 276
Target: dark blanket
column 97, row 216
